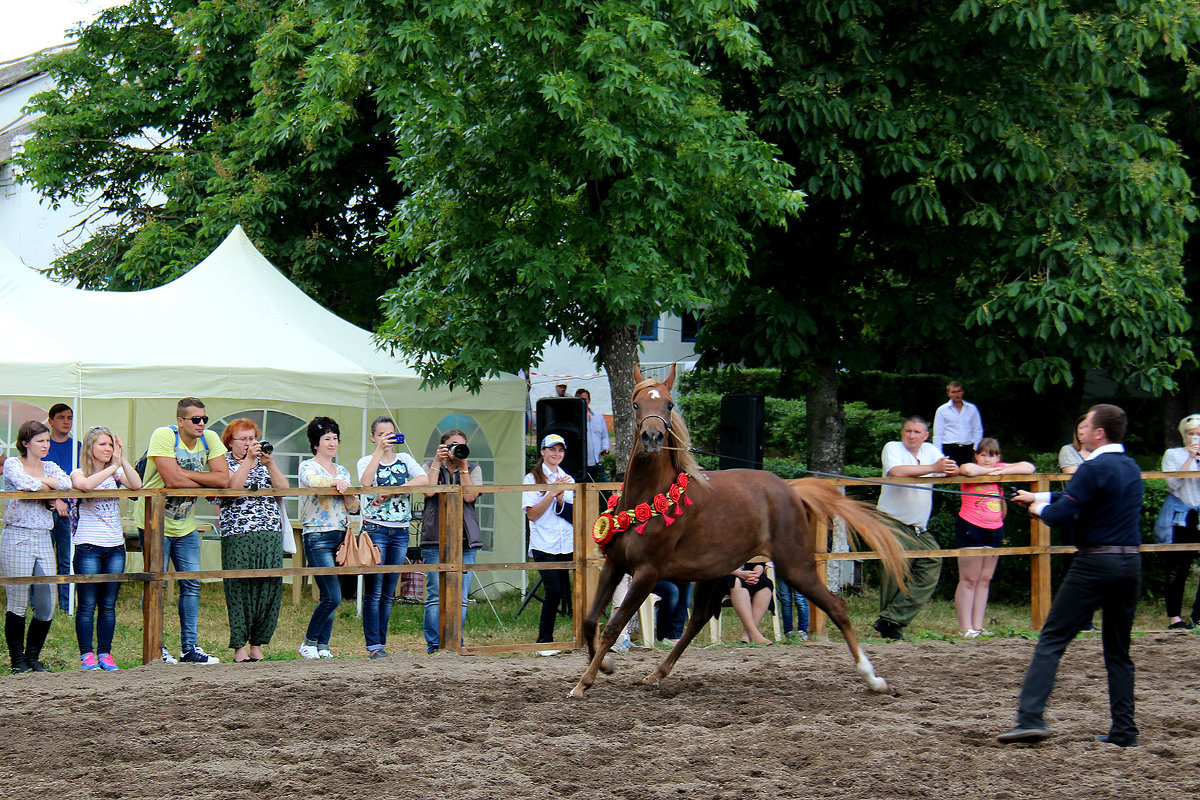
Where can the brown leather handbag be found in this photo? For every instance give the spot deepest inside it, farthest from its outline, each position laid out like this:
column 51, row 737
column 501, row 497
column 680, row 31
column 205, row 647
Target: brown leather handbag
column 357, row 551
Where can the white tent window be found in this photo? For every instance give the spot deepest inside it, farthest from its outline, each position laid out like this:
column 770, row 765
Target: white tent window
column 288, row 433
column 13, row 415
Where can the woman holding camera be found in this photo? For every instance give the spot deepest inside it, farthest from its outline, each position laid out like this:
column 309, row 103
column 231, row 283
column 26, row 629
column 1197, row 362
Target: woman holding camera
column 449, row 467
column 251, row 538
column 385, row 520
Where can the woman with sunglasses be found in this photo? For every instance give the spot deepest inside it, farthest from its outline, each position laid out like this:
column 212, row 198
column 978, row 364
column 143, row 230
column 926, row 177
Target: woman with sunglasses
column 25, row 546
column 99, row 542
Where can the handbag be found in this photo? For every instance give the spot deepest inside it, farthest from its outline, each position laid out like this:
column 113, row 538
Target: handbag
column 357, row 551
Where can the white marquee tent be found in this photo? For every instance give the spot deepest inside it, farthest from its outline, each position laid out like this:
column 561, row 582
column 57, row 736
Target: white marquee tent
column 236, row 333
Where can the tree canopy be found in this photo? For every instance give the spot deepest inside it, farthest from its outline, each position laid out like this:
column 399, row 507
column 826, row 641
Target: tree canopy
column 984, row 188
column 155, row 121
column 512, row 171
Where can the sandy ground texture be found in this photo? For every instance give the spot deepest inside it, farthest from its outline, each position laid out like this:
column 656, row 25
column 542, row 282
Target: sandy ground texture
column 769, row 722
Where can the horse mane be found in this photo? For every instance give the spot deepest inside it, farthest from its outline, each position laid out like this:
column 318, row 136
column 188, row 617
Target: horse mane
column 681, row 452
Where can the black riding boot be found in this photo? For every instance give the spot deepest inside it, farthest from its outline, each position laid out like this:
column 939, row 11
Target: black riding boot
column 14, row 634
column 33, row 645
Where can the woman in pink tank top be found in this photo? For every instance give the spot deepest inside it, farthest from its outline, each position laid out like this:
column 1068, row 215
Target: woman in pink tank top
column 980, row 524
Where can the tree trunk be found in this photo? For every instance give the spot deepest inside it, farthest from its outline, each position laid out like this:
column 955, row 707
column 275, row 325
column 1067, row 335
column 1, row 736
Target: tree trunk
column 826, row 422
column 618, row 350
column 827, row 453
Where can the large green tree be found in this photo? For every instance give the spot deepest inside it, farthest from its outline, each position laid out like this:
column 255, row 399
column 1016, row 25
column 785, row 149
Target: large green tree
column 505, row 172
column 570, row 171
column 985, row 191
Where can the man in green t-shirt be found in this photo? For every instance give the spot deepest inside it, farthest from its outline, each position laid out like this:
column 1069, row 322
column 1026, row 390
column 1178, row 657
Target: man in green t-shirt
column 185, row 456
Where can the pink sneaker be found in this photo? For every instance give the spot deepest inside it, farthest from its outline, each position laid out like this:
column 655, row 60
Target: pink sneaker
column 107, row 664
column 87, row 662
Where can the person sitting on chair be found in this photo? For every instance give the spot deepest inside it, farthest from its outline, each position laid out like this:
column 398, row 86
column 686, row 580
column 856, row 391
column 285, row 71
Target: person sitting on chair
column 750, row 594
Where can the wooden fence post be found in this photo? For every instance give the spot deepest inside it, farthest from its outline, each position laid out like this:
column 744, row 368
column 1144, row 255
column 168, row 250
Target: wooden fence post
column 586, row 578
column 1039, row 564
column 153, row 587
column 450, row 599
column 816, row 617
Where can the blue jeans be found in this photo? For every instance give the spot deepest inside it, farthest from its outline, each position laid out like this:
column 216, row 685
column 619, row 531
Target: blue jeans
column 787, row 596
column 319, row 551
column 61, row 535
column 379, row 590
column 430, row 555
column 674, row 597
column 97, row 602
column 184, row 553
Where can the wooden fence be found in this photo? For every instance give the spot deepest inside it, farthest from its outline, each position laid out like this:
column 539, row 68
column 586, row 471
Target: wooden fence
column 586, row 565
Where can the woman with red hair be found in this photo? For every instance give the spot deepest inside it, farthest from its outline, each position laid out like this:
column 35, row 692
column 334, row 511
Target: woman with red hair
column 251, row 538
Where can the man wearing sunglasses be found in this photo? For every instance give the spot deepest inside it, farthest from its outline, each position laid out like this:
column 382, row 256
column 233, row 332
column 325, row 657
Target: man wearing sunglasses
column 185, row 456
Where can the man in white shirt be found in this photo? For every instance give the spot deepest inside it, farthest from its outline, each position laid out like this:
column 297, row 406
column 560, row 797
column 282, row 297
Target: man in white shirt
column 911, row 457
column 957, row 427
column 597, row 439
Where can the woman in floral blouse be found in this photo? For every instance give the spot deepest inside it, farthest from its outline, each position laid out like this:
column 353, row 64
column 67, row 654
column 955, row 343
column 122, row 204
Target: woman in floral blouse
column 251, row 538
column 324, row 519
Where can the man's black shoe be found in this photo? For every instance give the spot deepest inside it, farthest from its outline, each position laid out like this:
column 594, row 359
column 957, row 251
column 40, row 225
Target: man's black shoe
column 1019, row 734
column 1104, row 738
column 888, row 629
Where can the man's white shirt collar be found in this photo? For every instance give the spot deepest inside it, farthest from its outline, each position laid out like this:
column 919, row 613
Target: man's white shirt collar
column 1112, row 447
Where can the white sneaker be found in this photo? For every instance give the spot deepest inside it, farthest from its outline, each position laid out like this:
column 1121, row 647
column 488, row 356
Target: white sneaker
column 622, row 644
column 548, row 652
column 324, row 654
column 308, row 651
column 167, row 657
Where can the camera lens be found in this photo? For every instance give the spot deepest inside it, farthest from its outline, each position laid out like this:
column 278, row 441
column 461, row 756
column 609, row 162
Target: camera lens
column 458, row 450
column 267, row 448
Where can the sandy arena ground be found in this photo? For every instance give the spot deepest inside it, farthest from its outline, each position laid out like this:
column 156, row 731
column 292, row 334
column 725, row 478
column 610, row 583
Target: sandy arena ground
column 770, row 722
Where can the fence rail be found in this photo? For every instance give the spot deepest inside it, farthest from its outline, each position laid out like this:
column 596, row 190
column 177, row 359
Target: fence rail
column 585, row 566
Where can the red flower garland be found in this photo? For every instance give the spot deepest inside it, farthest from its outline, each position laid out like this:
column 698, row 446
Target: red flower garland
column 607, row 525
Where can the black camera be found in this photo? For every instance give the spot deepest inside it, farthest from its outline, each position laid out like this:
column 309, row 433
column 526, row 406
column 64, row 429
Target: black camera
column 267, row 448
column 458, row 451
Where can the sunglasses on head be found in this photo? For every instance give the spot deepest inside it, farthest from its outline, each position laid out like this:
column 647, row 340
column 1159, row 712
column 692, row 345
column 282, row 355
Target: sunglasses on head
column 197, row 420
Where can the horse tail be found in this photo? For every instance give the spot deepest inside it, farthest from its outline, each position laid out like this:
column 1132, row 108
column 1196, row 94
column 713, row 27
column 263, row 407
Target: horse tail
column 824, row 501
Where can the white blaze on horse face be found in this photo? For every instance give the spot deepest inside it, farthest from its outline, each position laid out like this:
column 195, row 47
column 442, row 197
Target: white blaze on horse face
column 654, row 395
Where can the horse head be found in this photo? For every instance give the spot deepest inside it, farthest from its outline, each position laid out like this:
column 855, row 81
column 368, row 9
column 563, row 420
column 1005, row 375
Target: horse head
column 652, row 410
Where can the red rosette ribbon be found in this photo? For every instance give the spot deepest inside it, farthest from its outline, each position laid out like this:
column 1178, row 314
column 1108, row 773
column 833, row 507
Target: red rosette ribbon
column 661, row 504
column 613, row 499
column 674, row 493
column 623, row 521
column 602, row 530
column 682, row 480
column 642, row 513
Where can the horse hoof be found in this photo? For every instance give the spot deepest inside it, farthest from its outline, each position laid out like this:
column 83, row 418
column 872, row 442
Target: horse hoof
column 651, row 679
column 877, row 684
column 606, row 667
column 577, row 691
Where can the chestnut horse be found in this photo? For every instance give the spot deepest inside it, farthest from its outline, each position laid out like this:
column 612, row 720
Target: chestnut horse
column 722, row 520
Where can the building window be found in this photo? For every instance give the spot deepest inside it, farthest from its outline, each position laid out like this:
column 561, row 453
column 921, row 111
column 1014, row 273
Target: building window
column 649, row 330
column 689, row 326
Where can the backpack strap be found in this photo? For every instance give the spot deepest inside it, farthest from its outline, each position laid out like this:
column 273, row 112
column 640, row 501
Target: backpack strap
column 203, row 440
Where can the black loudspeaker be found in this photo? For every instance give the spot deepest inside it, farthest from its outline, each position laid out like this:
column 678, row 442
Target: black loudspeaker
column 740, row 435
column 566, row 416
